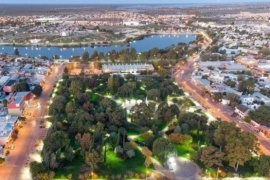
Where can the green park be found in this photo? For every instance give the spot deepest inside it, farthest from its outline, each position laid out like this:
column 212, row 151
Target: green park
column 125, row 126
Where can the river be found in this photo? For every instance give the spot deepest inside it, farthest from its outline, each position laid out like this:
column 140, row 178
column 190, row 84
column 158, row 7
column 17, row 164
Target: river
column 158, row 41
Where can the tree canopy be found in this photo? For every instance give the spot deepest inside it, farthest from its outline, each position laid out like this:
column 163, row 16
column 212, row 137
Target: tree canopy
column 261, row 115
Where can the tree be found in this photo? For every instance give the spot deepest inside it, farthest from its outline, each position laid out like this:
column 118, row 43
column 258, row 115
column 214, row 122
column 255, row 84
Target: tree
column 230, row 83
column 247, row 85
column 234, row 99
column 261, row 115
column 37, row 168
column 237, row 145
column 44, row 176
column 238, row 149
column 186, row 139
column 5, row 102
column 211, row 156
column 175, row 138
column 58, row 105
column 85, row 56
column 21, row 86
column 66, row 70
column 224, row 131
column 69, row 155
column 37, row 90
column 56, row 141
column 16, row 52
column 92, row 159
column 261, row 165
column 76, row 86
column 153, row 94
column 141, row 114
column 162, row 148
column 217, row 97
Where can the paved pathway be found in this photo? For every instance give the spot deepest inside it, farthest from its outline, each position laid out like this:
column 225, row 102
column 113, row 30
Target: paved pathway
column 186, row 169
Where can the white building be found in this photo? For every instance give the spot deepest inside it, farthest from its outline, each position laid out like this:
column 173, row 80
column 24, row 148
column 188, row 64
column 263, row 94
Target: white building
column 126, row 68
column 131, row 23
column 241, row 110
column 65, row 34
column 261, row 98
column 248, row 99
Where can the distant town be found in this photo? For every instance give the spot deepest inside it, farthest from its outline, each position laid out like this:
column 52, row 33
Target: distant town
column 132, row 92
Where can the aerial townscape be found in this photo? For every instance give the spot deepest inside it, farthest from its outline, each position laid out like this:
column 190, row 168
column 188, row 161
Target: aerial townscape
column 150, row 91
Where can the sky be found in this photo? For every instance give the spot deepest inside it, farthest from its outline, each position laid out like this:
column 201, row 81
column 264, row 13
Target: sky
column 121, row 1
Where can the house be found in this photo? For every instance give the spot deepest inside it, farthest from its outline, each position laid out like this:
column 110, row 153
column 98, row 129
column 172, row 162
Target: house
column 261, row 98
column 5, row 133
column 7, row 124
column 241, row 110
column 8, row 87
column 247, row 99
column 3, row 80
column 225, row 101
column 17, row 102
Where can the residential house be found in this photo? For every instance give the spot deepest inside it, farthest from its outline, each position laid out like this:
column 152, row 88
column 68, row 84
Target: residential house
column 241, row 110
column 17, row 102
column 8, row 87
column 7, row 124
column 261, row 98
column 247, row 99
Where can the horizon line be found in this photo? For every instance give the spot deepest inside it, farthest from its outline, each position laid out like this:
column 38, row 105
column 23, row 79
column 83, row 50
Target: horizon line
column 131, row 3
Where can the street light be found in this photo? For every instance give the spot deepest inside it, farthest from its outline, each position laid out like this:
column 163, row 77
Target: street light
column 92, row 174
column 218, row 171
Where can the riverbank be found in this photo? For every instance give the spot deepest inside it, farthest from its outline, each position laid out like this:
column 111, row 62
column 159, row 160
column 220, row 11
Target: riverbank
column 120, row 42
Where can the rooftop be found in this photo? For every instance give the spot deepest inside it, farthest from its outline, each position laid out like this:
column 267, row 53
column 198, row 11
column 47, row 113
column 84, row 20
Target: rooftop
column 242, row 108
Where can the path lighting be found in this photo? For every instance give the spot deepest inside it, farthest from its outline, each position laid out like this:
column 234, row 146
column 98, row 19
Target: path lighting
column 218, row 171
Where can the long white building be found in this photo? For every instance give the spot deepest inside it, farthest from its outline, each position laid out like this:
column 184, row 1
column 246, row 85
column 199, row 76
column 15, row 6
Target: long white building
column 127, row 68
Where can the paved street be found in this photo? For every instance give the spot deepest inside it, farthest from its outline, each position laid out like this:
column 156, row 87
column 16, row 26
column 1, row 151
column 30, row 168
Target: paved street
column 182, row 77
column 16, row 165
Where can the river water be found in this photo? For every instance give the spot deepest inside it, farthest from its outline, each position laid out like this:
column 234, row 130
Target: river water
column 158, row 41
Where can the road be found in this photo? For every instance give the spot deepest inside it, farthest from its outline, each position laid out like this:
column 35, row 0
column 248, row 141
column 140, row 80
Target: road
column 182, row 77
column 17, row 162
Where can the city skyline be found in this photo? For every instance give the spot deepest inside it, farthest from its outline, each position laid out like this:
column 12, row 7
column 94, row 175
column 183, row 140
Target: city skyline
column 125, row 2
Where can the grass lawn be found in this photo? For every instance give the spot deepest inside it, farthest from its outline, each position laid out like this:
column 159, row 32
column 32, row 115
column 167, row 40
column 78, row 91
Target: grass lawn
column 71, row 168
column 184, row 151
column 115, row 165
column 132, row 129
column 140, row 139
column 162, row 126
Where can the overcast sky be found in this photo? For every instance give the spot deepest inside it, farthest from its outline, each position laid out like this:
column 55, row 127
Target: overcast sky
column 121, row 1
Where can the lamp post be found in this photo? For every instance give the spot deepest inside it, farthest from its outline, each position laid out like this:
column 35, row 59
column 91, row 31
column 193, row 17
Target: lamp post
column 92, row 174
column 146, row 174
column 218, row 172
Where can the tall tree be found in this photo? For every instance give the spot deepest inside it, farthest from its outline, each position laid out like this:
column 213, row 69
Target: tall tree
column 37, row 90
column 261, row 165
column 85, row 56
column 16, row 52
column 211, row 157
column 261, row 115
column 162, row 148
column 93, row 158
